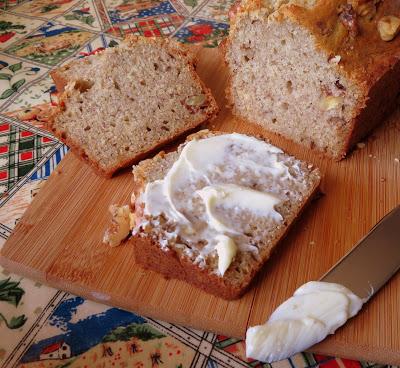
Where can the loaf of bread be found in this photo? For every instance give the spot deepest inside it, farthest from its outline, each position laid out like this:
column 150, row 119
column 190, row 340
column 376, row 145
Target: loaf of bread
column 211, row 212
column 322, row 73
column 126, row 101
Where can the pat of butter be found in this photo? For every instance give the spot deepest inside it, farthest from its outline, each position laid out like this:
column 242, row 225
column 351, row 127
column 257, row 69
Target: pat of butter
column 226, row 250
column 231, row 196
column 210, row 196
column 315, row 310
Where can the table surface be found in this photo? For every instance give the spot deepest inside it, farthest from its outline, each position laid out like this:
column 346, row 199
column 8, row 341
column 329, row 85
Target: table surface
column 41, row 326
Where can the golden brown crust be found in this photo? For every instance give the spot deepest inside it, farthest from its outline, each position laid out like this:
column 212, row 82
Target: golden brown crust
column 365, row 57
column 170, row 264
column 58, row 80
column 173, row 47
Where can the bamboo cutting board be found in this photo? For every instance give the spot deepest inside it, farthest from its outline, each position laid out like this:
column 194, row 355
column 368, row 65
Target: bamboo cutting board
column 58, row 241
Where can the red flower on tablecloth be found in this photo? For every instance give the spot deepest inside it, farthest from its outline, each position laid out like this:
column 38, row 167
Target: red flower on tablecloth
column 99, row 49
column 195, row 38
column 4, row 37
column 201, row 29
column 208, row 34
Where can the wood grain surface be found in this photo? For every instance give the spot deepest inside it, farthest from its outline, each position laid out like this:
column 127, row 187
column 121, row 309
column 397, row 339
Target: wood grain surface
column 58, row 241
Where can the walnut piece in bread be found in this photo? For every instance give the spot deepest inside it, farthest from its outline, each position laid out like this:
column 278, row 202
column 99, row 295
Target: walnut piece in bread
column 122, row 222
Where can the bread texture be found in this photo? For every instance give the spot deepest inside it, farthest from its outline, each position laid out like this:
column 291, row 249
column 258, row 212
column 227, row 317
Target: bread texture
column 121, row 104
column 322, row 73
column 179, row 258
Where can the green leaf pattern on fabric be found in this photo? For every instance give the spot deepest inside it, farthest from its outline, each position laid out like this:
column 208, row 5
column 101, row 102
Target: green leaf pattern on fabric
column 15, row 67
column 7, row 93
column 87, row 19
column 15, row 86
column 6, row 26
column 11, row 292
column 143, row 332
column 191, row 3
column 5, row 76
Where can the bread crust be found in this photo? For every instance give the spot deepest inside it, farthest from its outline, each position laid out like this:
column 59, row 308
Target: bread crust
column 368, row 61
column 381, row 102
column 150, row 256
column 170, row 264
column 173, row 47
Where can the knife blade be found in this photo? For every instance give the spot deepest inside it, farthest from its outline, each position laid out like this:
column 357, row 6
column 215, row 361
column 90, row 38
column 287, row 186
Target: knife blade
column 372, row 261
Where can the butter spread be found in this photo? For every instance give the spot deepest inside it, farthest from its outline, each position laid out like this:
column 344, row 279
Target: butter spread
column 315, row 310
column 226, row 250
column 235, row 196
column 215, row 190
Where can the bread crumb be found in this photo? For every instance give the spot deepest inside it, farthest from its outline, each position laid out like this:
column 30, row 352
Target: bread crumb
column 121, row 224
column 360, row 145
column 383, row 180
column 312, row 242
column 396, row 160
column 370, row 155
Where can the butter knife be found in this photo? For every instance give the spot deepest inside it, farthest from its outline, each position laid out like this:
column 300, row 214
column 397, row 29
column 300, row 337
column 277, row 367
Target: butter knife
column 294, row 327
column 372, row 261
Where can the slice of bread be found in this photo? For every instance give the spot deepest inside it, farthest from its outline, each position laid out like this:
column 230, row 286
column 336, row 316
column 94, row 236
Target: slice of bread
column 320, row 73
column 126, row 101
column 161, row 243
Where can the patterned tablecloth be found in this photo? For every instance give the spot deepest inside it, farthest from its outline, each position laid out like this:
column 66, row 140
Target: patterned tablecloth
column 41, row 326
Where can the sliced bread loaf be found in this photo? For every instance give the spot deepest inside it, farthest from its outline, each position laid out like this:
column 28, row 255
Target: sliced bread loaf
column 212, row 212
column 126, row 101
column 321, row 73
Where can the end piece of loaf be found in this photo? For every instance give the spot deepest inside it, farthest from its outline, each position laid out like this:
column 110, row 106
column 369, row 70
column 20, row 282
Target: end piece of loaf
column 188, row 251
column 126, row 101
column 321, row 73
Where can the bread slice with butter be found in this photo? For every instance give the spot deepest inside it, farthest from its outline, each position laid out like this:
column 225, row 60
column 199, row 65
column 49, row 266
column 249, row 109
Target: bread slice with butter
column 211, row 212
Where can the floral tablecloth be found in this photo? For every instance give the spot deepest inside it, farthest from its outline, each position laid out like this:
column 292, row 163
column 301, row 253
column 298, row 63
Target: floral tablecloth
column 41, row 326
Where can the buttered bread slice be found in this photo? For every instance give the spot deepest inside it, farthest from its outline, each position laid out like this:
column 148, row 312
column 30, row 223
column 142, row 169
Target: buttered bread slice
column 211, row 212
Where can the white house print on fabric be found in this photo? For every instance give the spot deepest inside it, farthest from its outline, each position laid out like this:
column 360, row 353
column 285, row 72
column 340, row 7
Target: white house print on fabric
column 58, row 350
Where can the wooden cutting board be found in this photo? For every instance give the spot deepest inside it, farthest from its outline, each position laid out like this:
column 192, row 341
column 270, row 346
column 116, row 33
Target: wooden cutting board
column 58, row 242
